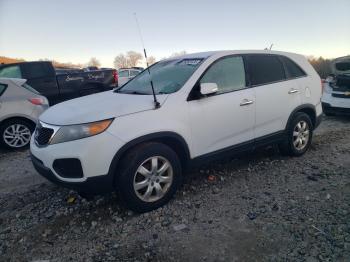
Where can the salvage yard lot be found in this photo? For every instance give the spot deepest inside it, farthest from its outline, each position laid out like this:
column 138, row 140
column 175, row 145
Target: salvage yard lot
column 257, row 207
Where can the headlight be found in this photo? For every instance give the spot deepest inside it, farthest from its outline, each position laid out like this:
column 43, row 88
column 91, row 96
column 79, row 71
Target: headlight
column 74, row 132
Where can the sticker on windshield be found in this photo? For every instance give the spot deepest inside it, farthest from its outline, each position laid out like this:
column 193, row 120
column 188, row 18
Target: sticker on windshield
column 190, row 61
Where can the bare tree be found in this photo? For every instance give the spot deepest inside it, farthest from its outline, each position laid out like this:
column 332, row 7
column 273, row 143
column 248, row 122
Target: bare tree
column 133, row 58
column 120, row 61
column 151, row 60
column 130, row 59
column 178, row 53
column 94, row 62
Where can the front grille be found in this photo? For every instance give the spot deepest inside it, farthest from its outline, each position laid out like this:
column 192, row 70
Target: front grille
column 43, row 135
column 340, row 95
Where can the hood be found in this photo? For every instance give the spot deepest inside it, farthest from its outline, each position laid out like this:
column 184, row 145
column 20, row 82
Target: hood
column 98, row 107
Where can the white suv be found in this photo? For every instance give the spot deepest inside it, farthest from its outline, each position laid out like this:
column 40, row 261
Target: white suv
column 205, row 105
column 336, row 95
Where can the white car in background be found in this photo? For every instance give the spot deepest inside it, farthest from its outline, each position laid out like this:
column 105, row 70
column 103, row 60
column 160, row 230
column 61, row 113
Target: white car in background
column 20, row 107
column 204, row 106
column 336, row 95
column 125, row 74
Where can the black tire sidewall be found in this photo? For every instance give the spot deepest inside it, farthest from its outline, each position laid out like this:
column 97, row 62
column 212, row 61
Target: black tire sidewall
column 128, row 168
column 299, row 117
column 8, row 123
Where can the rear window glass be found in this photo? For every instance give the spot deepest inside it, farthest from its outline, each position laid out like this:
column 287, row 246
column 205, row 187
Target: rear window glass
column 31, row 89
column 11, row 72
column 265, row 69
column 2, row 89
column 35, row 70
column 292, row 69
column 343, row 66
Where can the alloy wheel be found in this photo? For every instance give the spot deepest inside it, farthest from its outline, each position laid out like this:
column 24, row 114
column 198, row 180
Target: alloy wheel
column 153, row 179
column 17, row 135
column 301, row 135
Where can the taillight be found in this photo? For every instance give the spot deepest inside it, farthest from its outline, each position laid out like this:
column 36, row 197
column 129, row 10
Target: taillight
column 115, row 77
column 37, row 101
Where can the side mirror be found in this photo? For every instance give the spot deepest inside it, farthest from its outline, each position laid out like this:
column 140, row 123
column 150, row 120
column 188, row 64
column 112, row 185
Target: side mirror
column 208, row 88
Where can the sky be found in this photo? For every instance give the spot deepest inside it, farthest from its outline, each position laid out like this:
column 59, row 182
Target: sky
column 76, row 30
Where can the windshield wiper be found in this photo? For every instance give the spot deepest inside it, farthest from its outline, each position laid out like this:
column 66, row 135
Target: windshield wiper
column 130, row 92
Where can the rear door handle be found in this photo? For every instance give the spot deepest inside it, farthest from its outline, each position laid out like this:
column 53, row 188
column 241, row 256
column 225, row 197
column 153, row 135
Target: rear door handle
column 246, row 102
column 293, row 91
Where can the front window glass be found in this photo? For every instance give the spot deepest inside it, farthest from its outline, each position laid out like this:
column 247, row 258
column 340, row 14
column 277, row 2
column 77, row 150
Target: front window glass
column 11, row 72
column 124, row 73
column 228, row 73
column 167, row 76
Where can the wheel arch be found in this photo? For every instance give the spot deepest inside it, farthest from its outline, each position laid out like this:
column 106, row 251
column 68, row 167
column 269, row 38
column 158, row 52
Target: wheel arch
column 308, row 109
column 171, row 139
column 3, row 121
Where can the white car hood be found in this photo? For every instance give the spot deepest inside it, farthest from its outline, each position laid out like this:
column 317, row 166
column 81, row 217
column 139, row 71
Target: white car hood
column 98, row 107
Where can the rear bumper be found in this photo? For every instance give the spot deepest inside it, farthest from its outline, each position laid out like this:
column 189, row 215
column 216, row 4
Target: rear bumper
column 328, row 108
column 92, row 185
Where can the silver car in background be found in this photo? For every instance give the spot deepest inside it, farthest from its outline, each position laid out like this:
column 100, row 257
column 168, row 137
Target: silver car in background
column 125, row 74
column 20, row 107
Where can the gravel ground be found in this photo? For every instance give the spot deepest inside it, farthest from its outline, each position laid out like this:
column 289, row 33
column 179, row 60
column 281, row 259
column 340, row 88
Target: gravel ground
column 258, row 207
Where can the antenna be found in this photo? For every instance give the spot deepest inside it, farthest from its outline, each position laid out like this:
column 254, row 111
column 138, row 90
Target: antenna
column 271, row 46
column 156, row 103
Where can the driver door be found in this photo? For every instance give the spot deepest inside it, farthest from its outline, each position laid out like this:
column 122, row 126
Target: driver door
column 226, row 118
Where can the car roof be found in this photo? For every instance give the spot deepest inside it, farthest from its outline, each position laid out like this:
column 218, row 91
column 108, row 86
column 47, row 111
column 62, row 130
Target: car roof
column 16, row 81
column 230, row 52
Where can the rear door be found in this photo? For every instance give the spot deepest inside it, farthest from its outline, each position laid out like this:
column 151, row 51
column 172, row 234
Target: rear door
column 2, row 91
column 276, row 96
column 42, row 77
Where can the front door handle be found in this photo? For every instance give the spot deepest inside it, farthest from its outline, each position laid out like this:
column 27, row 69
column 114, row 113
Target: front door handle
column 293, row 91
column 246, row 102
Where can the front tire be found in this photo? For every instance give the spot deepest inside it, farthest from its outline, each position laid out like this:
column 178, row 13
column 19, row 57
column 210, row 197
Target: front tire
column 16, row 133
column 299, row 136
column 149, row 176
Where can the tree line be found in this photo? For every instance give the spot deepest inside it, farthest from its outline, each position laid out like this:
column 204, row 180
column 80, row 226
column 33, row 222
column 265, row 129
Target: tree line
column 132, row 59
column 322, row 66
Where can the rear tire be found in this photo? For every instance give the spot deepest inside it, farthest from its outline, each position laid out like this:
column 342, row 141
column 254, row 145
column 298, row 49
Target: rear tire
column 299, row 136
column 16, row 133
column 149, row 176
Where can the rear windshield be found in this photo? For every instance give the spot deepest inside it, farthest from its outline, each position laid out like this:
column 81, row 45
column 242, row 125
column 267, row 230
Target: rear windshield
column 31, row 89
column 167, row 76
column 343, row 66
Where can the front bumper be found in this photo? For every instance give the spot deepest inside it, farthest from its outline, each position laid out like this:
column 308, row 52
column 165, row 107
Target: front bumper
column 92, row 185
column 95, row 154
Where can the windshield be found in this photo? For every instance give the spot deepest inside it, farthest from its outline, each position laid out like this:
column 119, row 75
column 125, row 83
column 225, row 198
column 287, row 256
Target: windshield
column 167, row 76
